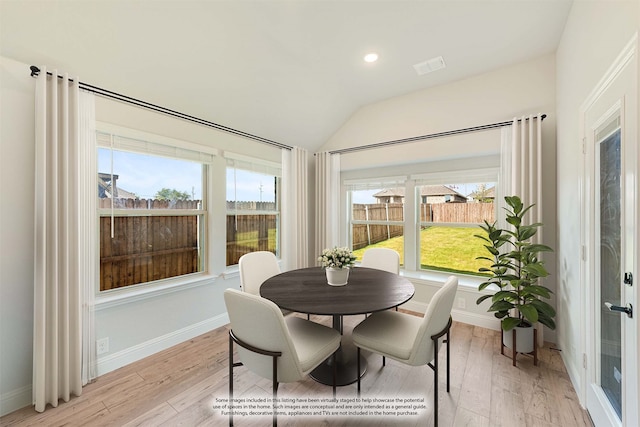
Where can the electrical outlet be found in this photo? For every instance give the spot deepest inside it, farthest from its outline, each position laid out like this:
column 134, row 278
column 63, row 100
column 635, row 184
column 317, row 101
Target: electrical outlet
column 462, row 303
column 102, row 345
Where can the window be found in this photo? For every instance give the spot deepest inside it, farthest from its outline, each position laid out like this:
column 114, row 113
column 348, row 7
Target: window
column 449, row 219
column 253, row 207
column 152, row 210
column 444, row 209
column 377, row 216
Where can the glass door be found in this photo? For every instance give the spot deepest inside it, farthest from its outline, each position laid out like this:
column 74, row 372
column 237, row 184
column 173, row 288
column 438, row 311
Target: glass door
column 608, row 261
column 612, row 207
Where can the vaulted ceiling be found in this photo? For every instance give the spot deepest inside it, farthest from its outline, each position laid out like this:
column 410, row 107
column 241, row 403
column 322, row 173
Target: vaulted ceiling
column 289, row 71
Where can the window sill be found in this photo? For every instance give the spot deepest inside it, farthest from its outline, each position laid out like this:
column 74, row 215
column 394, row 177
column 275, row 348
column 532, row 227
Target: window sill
column 466, row 282
column 150, row 290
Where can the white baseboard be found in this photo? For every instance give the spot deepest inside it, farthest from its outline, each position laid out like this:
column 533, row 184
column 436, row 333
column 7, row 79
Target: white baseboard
column 484, row 321
column 122, row 358
column 575, row 377
column 16, row 399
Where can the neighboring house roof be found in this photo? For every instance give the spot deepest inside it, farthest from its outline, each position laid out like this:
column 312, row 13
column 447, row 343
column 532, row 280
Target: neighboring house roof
column 425, row 190
column 438, row 190
column 390, row 192
column 105, row 191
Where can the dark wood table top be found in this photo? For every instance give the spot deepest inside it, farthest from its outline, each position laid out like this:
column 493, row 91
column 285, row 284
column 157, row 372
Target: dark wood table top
column 367, row 291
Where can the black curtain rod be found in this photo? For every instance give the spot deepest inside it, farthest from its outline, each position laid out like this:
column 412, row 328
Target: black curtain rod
column 429, row 136
column 133, row 101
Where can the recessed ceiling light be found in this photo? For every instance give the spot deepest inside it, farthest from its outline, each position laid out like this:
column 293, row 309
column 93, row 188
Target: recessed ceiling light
column 371, row 57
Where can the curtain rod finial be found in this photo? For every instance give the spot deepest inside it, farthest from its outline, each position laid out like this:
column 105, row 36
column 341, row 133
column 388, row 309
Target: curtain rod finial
column 34, row 71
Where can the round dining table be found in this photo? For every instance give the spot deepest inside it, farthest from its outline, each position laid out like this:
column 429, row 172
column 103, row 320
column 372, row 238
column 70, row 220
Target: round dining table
column 367, row 290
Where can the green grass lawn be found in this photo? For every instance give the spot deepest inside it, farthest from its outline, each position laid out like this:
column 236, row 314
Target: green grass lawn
column 451, row 249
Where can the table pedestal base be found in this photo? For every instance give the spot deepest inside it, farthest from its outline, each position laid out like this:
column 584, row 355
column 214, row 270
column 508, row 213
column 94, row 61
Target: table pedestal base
column 346, row 359
column 346, row 369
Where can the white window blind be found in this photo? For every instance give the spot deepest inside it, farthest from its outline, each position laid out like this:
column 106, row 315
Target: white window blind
column 122, row 143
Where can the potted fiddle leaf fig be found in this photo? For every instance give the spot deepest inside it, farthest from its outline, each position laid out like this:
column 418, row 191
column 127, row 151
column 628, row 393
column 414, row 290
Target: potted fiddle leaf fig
column 514, row 273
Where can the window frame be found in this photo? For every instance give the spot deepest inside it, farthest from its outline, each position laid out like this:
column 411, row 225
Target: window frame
column 412, row 222
column 267, row 168
column 157, row 145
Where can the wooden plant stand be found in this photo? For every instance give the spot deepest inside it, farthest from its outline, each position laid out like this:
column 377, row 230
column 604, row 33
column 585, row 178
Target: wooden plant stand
column 514, row 353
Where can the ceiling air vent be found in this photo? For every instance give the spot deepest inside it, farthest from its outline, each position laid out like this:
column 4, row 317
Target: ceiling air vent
column 429, row 66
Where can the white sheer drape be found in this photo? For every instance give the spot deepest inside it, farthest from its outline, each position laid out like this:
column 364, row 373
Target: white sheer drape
column 521, row 169
column 294, row 213
column 327, row 200
column 58, row 283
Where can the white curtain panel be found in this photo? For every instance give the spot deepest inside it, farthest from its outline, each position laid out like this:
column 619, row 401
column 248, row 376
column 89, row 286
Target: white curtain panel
column 521, row 171
column 526, row 165
column 327, row 200
column 88, row 243
column 295, row 235
column 57, row 347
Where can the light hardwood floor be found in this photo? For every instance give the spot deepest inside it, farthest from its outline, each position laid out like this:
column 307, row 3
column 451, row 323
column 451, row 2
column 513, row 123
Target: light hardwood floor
column 181, row 385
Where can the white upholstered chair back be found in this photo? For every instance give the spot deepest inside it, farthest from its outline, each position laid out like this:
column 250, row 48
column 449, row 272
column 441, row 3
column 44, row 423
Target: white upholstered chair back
column 259, row 322
column 381, row 259
column 435, row 320
column 255, row 268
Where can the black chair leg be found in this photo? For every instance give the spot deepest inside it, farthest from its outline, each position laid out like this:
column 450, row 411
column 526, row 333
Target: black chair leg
column 335, row 373
column 275, row 391
column 230, row 381
column 448, row 360
column 384, row 361
column 435, row 384
column 358, row 367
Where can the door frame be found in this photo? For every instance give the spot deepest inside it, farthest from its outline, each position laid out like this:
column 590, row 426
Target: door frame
column 631, row 417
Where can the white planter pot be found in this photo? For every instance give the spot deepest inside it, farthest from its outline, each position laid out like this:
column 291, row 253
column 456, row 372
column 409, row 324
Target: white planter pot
column 524, row 339
column 337, row 276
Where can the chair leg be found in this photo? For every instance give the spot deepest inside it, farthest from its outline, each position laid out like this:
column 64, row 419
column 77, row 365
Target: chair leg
column 435, row 383
column 230, row 381
column 384, row 361
column 335, row 372
column 275, row 391
column 448, row 359
column 358, row 367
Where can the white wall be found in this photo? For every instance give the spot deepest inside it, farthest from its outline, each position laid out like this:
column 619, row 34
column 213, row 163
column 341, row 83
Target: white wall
column 522, row 89
column 594, row 35
column 17, row 158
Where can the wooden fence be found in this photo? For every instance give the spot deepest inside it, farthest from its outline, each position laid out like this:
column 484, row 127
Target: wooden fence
column 146, row 248
column 366, row 234
column 249, row 233
column 119, row 203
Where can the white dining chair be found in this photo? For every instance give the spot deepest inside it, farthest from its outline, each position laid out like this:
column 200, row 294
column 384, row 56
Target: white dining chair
column 272, row 346
column 255, row 268
column 381, row 259
column 410, row 339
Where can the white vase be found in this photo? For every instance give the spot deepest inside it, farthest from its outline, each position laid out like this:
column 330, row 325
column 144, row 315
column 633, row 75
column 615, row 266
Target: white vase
column 524, row 339
column 337, row 276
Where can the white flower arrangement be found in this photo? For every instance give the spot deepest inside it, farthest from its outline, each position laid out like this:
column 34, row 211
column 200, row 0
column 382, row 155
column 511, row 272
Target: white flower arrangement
column 337, row 258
